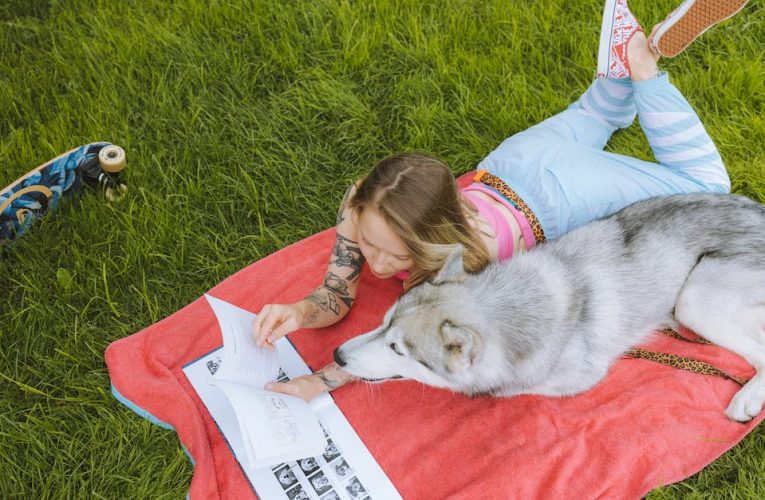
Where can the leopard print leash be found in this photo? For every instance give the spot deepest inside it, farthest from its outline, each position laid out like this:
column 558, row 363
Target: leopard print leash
column 682, row 362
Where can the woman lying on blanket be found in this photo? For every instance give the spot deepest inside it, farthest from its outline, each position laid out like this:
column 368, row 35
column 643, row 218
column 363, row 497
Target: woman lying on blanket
column 537, row 185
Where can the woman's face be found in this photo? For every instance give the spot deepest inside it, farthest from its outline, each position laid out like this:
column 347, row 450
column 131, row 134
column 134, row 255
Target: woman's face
column 383, row 250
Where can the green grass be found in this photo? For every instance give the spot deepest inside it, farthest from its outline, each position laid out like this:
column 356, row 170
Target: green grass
column 243, row 123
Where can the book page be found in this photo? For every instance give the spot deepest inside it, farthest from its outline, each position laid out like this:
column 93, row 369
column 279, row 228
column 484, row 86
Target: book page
column 244, row 361
column 275, row 427
column 344, row 470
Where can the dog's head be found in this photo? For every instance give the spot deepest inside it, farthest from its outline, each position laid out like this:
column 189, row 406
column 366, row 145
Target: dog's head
column 431, row 334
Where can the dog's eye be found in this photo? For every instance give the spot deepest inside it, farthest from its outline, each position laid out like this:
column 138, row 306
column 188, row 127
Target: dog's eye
column 395, row 348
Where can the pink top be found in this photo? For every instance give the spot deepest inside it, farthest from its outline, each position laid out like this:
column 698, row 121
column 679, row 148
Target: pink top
column 496, row 219
column 526, row 231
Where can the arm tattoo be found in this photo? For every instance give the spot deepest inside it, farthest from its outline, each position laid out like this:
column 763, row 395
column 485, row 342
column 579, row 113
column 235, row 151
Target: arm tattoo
column 312, row 316
column 346, row 253
column 325, row 300
column 343, row 205
column 339, row 286
column 333, row 377
column 331, row 384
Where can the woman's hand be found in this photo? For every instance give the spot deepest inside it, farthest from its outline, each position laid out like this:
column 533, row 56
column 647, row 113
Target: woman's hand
column 306, row 387
column 309, row 386
column 274, row 322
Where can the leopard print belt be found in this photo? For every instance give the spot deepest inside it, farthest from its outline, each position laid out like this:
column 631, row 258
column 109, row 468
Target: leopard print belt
column 498, row 184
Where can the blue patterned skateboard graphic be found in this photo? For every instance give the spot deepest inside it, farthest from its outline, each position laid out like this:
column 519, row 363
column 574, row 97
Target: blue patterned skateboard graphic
column 31, row 196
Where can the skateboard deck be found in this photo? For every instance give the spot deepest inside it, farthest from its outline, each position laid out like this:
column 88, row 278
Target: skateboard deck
column 31, row 196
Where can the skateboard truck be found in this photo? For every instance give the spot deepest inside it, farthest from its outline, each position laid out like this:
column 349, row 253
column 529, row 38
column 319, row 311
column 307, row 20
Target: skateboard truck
column 104, row 171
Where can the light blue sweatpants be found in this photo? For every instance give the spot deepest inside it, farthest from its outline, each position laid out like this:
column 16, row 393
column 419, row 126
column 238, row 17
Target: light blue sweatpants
column 560, row 170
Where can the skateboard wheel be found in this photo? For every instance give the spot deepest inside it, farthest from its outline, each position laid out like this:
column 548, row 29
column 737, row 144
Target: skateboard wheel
column 114, row 194
column 112, row 158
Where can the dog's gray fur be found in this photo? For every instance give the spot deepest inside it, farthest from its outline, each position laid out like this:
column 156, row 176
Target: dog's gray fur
column 552, row 320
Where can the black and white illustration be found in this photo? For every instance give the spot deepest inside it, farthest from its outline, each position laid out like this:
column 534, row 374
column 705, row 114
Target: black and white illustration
column 356, row 490
column 308, row 465
column 286, row 477
column 320, row 483
column 341, row 469
column 325, row 477
column 331, row 451
column 330, row 495
column 297, row 493
column 213, row 365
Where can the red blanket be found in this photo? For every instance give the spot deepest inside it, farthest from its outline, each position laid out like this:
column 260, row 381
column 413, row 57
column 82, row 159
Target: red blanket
column 645, row 426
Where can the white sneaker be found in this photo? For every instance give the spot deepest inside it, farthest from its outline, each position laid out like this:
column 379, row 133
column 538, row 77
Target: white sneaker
column 619, row 24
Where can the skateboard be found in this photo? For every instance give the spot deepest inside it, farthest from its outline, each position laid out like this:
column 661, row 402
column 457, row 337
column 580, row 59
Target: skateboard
column 99, row 164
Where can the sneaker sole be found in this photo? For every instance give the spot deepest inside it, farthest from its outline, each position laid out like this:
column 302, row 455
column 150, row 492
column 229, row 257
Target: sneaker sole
column 689, row 21
column 606, row 32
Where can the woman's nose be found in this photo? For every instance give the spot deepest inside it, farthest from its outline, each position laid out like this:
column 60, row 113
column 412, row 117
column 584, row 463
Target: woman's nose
column 378, row 263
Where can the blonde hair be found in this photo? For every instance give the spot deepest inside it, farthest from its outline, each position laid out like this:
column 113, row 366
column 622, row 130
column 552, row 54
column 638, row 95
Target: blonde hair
column 417, row 196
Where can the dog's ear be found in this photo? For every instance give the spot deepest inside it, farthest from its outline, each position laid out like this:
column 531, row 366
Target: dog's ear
column 453, row 268
column 461, row 345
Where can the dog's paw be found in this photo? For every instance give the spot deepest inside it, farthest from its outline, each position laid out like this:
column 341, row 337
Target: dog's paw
column 746, row 403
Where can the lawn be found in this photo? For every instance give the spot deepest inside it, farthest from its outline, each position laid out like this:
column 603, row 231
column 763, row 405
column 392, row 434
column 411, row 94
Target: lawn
column 244, row 122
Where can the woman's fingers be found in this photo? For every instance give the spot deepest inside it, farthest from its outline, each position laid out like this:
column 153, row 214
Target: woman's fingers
column 284, row 387
column 274, row 322
column 262, row 325
column 281, row 329
column 305, row 387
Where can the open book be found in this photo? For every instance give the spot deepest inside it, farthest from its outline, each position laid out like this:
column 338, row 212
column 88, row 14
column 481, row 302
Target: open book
column 266, row 428
column 275, row 427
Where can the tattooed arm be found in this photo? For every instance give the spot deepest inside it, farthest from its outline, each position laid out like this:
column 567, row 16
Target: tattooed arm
column 332, row 300
column 329, row 303
column 325, row 306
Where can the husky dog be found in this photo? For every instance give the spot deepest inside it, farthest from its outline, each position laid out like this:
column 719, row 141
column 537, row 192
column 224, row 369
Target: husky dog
column 552, row 320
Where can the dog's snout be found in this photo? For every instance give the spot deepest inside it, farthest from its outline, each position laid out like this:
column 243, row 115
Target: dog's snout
column 338, row 359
